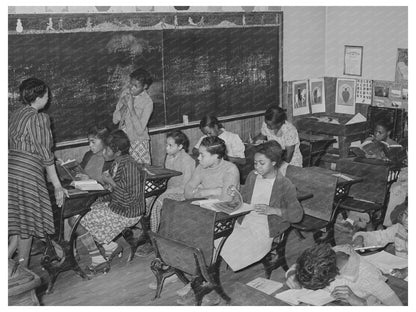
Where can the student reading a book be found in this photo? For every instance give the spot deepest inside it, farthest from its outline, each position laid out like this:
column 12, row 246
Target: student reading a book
column 178, row 159
column 275, row 207
column 396, row 234
column 93, row 161
column 276, row 127
column 122, row 208
column 214, row 174
column 132, row 114
column 30, row 142
column 210, row 126
column 345, row 274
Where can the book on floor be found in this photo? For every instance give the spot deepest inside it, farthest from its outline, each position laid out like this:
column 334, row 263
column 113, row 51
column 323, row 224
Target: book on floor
column 265, row 285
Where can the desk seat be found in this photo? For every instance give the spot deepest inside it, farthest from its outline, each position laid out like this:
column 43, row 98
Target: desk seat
column 353, row 204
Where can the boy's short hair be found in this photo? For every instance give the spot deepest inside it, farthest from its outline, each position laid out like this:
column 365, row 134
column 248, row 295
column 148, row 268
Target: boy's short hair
column 118, row 141
column 215, row 145
column 143, row 76
column 180, row 138
column 317, row 267
column 385, row 123
column 398, row 212
column 273, row 151
column 99, row 133
column 210, row 122
column 32, row 88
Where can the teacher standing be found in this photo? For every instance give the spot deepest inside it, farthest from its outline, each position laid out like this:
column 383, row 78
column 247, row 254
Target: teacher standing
column 30, row 142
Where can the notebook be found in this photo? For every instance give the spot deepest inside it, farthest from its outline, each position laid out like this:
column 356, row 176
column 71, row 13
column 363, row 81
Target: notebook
column 318, row 297
column 265, row 285
column 87, row 185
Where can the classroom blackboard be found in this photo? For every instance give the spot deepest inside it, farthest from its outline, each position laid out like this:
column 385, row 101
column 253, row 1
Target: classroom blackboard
column 196, row 70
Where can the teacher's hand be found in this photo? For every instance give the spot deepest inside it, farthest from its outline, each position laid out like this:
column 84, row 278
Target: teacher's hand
column 59, row 195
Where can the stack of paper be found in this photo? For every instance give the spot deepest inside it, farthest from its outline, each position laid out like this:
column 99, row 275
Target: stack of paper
column 356, row 119
column 265, row 285
column 312, row 297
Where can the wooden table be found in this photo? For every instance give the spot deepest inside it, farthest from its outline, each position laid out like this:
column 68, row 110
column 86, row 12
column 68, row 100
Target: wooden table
column 345, row 133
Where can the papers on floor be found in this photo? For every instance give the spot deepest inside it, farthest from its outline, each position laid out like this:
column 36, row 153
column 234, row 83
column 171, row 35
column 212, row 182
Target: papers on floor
column 356, row 119
column 265, row 285
column 312, row 297
column 87, row 185
column 209, row 204
column 386, row 261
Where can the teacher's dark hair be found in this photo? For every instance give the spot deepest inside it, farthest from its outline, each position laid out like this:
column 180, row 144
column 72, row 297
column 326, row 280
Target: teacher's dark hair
column 118, row 141
column 32, row 88
column 215, row 145
column 275, row 115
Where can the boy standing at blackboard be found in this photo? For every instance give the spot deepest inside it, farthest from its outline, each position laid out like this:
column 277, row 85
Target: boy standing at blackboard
column 132, row 113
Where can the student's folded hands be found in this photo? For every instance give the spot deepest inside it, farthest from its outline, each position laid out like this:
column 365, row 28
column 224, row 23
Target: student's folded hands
column 345, row 294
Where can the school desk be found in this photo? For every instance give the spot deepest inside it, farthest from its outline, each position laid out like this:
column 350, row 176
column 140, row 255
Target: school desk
column 345, row 133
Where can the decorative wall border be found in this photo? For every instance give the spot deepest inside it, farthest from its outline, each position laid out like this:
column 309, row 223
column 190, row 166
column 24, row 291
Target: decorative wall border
column 91, row 22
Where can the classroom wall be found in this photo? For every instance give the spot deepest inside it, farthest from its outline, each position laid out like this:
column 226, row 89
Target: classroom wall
column 313, row 46
column 381, row 30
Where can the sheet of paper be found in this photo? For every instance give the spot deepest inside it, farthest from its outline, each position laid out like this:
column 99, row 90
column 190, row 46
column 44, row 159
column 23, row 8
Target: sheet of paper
column 386, row 261
column 290, row 296
column 265, row 285
column 357, row 118
column 342, row 176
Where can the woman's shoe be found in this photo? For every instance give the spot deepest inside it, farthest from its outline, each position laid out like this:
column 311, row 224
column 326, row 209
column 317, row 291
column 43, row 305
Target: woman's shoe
column 117, row 252
column 103, row 267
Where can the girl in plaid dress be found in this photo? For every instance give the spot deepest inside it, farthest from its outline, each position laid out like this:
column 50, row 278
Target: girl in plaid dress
column 132, row 114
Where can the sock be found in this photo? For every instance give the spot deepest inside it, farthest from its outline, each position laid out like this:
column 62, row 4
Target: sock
column 93, row 251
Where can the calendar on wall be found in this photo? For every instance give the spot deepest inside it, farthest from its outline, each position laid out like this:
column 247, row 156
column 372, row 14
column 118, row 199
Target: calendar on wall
column 364, row 91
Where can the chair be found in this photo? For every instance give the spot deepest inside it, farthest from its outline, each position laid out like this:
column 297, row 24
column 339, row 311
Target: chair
column 277, row 255
column 371, row 196
column 184, row 244
column 320, row 211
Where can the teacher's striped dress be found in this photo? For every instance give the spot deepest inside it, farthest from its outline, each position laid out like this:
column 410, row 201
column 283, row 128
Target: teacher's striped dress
column 30, row 141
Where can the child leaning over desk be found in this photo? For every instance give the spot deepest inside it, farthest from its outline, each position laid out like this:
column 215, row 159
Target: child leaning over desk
column 177, row 158
column 210, row 126
column 344, row 273
column 132, row 113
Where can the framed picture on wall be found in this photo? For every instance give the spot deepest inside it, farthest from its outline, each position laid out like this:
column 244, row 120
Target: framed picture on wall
column 300, row 98
column 353, row 60
column 317, row 91
column 345, row 99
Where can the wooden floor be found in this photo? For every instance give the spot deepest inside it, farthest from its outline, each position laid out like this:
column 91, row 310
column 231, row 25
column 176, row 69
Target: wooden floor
column 127, row 283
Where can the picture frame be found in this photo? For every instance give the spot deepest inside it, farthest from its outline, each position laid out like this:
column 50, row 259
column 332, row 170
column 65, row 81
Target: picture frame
column 345, row 96
column 300, row 97
column 317, row 95
column 353, row 60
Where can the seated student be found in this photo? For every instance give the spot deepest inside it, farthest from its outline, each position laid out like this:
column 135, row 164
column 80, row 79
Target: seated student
column 122, row 208
column 397, row 234
column 276, row 206
column 276, row 127
column 210, row 126
column 398, row 194
column 178, row 159
column 214, row 174
column 347, row 275
column 93, row 161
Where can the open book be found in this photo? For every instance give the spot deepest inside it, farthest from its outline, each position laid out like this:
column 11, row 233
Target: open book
column 71, row 168
column 87, row 185
column 386, row 262
column 318, row 297
column 379, row 150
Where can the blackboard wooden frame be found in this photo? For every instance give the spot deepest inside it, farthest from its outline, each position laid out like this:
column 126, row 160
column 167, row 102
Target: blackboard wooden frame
column 71, row 23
